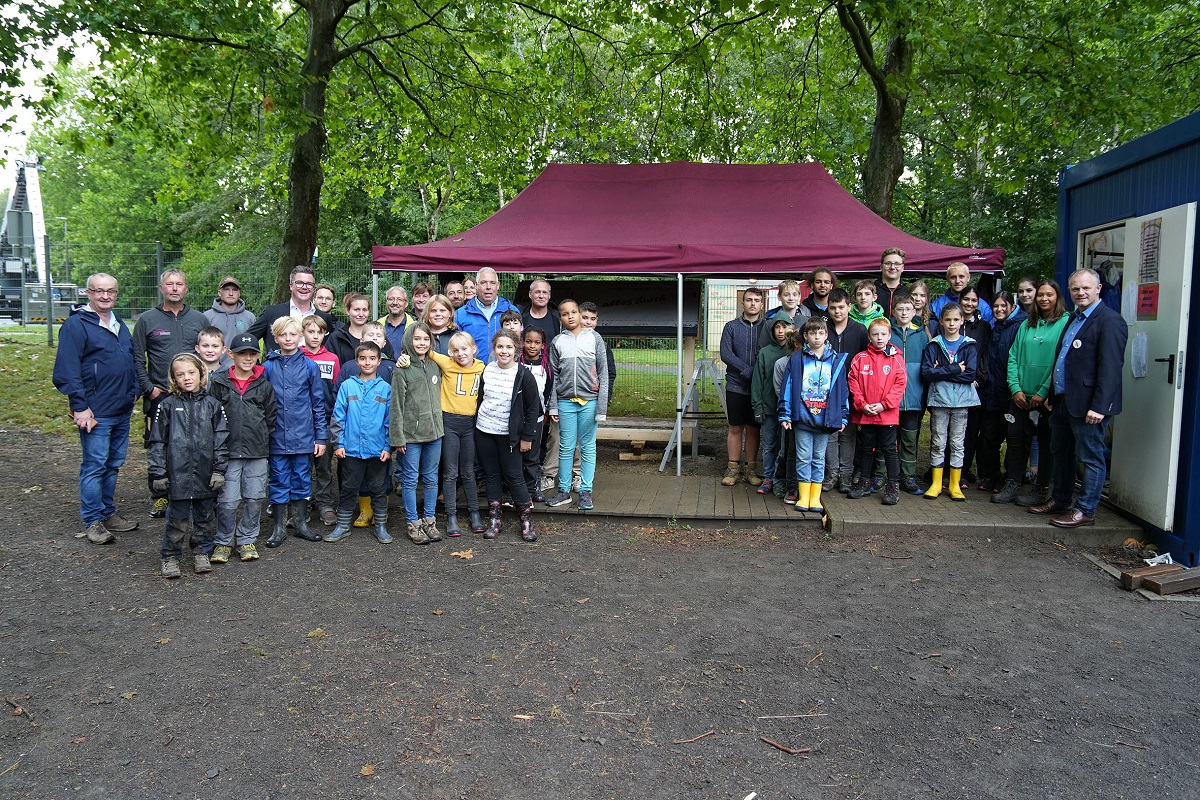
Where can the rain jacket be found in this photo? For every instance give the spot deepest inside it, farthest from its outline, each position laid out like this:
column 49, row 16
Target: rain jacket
column 188, row 444
column 877, row 376
column 301, row 422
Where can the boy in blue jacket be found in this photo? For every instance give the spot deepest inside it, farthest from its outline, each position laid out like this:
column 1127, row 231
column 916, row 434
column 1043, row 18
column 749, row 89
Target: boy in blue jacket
column 948, row 367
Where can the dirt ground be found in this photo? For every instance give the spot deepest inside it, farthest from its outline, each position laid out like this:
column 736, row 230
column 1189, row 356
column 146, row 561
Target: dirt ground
column 602, row 662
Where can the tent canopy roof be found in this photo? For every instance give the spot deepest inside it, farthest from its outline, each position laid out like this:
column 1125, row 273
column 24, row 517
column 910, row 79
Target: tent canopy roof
column 680, row 217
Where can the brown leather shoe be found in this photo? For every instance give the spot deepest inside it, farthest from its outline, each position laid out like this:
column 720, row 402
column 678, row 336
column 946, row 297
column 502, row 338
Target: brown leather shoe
column 1048, row 507
column 1072, row 518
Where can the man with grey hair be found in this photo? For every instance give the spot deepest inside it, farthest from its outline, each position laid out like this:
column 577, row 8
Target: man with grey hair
column 94, row 369
column 480, row 316
column 160, row 334
column 397, row 318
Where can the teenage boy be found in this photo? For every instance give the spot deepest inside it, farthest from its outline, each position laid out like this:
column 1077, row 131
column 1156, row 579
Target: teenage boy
column 821, row 281
column 891, row 267
column 789, row 305
column 911, row 339
column 324, row 494
column 876, row 381
column 865, row 309
column 229, row 313
column 361, row 442
column 210, row 346
column 420, row 296
column 764, row 398
column 958, row 276
column 849, row 338
column 249, row 402
column 739, row 350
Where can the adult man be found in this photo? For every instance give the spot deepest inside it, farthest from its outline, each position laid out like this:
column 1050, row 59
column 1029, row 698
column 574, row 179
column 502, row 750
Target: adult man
column 891, row 267
column 302, row 284
column 94, row 368
column 1085, row 394
column 397, row 318
column 456, row 294
column 540, row 313
column 480, row 316
column 958, row 276
column 229, row 313
column 159, row 335
column 821, row 281
column 739, row 350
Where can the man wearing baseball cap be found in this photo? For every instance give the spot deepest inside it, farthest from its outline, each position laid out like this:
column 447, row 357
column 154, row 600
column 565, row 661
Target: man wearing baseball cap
column 229, row 313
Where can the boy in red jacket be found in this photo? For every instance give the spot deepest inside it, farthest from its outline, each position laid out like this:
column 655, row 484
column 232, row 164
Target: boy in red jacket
column 877, row 379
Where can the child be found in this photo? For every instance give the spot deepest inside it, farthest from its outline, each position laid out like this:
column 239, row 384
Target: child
column 249, row 402
column 301, row 428
column 324, row 495
column 461, row 372
column 358, row 435
column 763, row 398
column 376, row 333
column 505, row 423
column 911, row 339
column 421, row 293
column 578, row 400
column 996, row 396
column 511, row 320
column 976, row 327
column 876, row 382
column 416, row 431
column 534, row 359
column 848, row 338
column 814, row 402
column 948, row 368
column 866, row 310
column 789, row 305
column 786, row 483
column 187, row 457
column 210, row 346
column 589, row 315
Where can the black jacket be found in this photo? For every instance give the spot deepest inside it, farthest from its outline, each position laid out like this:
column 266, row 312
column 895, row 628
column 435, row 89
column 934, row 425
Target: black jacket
column 250, row 416
column 261, row 329
column 525, row 409
column 188, row 443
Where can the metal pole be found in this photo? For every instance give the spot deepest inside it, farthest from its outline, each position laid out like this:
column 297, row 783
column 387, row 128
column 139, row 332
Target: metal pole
column 679, row 377
column 375, row 297
column 49, row 295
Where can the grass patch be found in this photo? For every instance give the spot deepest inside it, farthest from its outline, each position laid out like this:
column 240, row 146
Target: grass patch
column 28, row 398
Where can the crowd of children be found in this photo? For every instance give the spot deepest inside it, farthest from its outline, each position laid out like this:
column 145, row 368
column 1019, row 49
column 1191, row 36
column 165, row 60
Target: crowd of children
column 429, row 420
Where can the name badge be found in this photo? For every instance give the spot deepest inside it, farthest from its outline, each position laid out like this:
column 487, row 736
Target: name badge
column 1077, row 344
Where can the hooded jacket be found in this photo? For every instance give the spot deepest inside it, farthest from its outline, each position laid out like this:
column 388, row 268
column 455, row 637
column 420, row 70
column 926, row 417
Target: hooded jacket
column 579, row 364
column 763, row 397
column 997, row 397
column 815, row 393
column 95, row 368
column 301, row 422
column 950, row 386
column 912, row 342
column 877, row 376
column 416, row 412
column 250, row 415
column 360, row 417
column 231, row 323
column 188, row 443
column 739, row 349
column 1031, row 359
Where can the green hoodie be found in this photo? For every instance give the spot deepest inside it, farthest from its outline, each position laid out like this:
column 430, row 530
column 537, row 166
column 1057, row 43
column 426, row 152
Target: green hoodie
column 1031, row 359
column 763, row 398
column 416, row 411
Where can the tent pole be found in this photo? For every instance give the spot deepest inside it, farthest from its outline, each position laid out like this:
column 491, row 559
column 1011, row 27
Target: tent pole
column 679, row 378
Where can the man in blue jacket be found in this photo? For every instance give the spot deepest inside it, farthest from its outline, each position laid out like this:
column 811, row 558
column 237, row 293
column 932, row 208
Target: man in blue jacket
column 94, row 368
column 480, row 316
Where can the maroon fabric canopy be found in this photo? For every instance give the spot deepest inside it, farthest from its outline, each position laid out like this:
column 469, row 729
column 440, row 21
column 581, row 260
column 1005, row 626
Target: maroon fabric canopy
column 681, row 217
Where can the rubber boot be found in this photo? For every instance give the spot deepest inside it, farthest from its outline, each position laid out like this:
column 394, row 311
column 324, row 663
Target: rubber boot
column 801, row 496
column 381, row 531
column 279, row 534
column 300, row 518
column 956, row 492
column 814, row 498
column 342, row 529
column 935, row 484
column 494, row 517
column 527, row 523
column 452, row 528
column 477, row 525
column 364, row 513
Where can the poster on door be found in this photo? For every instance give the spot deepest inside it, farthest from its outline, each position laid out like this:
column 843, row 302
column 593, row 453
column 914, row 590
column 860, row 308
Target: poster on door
column 1151, row 236
column 1147, row 302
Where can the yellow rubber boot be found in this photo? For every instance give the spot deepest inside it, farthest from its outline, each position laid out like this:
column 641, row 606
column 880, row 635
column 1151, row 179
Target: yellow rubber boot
column 801, row 496
column 956, row 484
column 365, row 517
column 814, row 498
column 935, row 488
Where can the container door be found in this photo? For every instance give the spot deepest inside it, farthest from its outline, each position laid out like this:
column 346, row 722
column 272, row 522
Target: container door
column 1157, row 278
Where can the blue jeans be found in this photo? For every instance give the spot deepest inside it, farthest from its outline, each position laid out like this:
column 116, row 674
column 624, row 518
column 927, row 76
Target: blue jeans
column 810, row 453
column 769, row 433
column 1072, row 438
column 104, row 451
column 577, row 424
column 420, row 459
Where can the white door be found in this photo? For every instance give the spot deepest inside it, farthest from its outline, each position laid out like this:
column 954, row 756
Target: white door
column 1157, row 285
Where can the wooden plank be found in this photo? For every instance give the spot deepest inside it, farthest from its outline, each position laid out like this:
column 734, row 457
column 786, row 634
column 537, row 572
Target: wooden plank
column 723, row 497
column 647, row 504
column 639, row 457
column 616, row 491
column 1132, row 579
column 1174, row 582
column 637, row 445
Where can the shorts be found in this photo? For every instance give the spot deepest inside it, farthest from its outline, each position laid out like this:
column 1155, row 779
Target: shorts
column 740, row 409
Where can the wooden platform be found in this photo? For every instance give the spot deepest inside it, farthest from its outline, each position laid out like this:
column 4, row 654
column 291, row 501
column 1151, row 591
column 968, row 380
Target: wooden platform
column 692, row 498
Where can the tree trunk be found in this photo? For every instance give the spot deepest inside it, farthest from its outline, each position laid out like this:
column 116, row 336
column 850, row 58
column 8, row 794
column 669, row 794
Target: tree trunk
column 305, row 173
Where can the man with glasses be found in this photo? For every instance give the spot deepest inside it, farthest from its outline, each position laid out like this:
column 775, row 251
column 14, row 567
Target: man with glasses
column 302, row 284
column 891, row 267
column 94, row 368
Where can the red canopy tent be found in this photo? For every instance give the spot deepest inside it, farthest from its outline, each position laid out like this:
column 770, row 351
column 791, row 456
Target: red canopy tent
column 680, row 218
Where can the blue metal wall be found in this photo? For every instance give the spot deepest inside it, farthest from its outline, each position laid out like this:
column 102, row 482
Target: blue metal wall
column 1158, row 171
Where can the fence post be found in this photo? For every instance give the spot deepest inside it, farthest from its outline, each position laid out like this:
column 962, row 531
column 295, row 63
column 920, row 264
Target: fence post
column 49, row 295
column 375, row 297
column 158, row 262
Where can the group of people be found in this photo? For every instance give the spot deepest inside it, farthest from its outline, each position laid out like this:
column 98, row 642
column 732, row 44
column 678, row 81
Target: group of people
column 833, row 390
column 246, row 411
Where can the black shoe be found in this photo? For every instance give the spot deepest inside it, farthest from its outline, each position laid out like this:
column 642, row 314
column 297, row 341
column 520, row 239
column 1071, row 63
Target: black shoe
column 891, row 493
column 452, row 528
column 1035, row 497
column 1007, row 493
column 860, row 489
column 300, row 520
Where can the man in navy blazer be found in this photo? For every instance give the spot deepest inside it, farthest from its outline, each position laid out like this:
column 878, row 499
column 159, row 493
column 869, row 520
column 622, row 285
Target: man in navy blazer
column 1085, row 394
column 302, row 284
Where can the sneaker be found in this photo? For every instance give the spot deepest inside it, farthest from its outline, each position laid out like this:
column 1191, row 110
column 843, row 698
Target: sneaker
column 844, row 484
column 909, row 484
column 561, row 498
column 877, row 484
column 829, row 482
column 170, row 568
column 766, row 487
column 792, row 495
column 119, row 524
column 221, row 554
column 576, row 482
column 1007, row 493
column 891, row 493
column 201, row 563
column 779, row 490
column 247, row 552
column 537, row 496
column 548, row 484
column 585, row 501
column 1035, row 496
column 860, row 489
column 96, row 533
column 328, row 516
column 159, row 510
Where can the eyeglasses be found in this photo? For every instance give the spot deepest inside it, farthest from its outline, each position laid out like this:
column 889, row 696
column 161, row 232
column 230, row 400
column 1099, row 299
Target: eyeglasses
column 102, row 292
column 893, row 263
column 303, row 284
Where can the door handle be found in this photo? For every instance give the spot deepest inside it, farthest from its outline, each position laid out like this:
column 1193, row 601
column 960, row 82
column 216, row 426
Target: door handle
column 1170, row 362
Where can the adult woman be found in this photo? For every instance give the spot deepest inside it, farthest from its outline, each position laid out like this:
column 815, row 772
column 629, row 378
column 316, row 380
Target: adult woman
column 996, row 397
column 1030, row 372
column 324, row 298
column 980, row 330
column 439, row 316
column 469, row 287
column 1026, row 289
column 346, row 337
